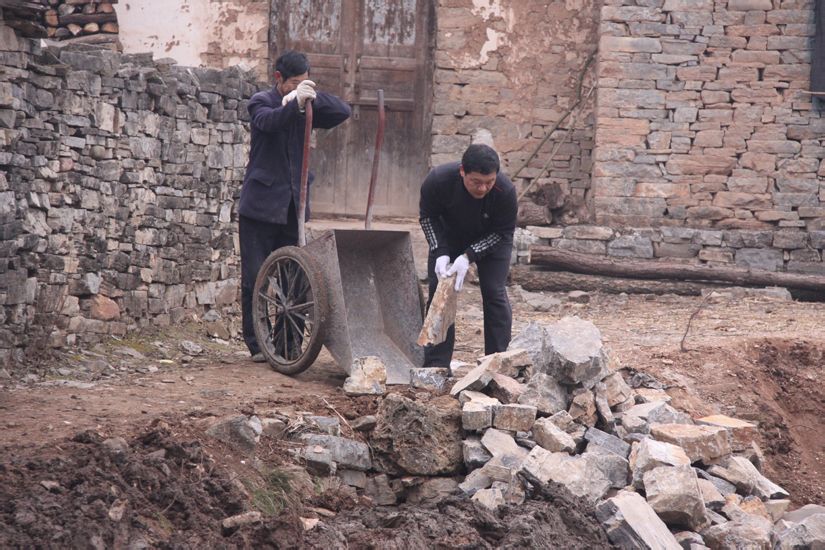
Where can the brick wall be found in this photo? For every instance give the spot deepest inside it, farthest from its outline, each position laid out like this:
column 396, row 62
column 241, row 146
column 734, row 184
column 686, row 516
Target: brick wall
column 510, row 68
column 117, row 184
column 701, row 122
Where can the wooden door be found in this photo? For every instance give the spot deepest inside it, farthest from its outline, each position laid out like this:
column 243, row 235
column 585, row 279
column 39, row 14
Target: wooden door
column 356, row 47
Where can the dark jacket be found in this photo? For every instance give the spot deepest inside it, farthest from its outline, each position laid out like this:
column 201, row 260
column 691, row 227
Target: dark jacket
column 273, row 175
column 455, row 222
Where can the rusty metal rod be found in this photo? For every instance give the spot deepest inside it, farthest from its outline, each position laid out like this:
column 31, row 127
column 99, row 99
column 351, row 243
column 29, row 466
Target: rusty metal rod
column 302, row 207
column 379, row 140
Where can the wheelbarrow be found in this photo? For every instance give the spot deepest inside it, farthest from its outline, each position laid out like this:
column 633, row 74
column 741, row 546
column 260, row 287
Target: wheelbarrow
column 354, row 291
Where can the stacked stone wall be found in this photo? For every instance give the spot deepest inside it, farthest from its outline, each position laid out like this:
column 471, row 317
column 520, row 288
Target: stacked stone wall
column 702, row 122
column 117, row 183
column 509, row 70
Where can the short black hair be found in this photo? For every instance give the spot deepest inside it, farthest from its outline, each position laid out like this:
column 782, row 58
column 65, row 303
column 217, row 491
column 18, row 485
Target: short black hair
column 291, row 63
column 481, row 159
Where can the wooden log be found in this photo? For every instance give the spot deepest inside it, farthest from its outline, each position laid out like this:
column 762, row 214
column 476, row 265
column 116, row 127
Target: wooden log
column 634, row 269
column 91, row 28
column 441, row 315
column 539, row 279
column 51, row 18
column 89, row 9
column 110, row 28
column 105, row 8
column 74, row 29
column 83, row 19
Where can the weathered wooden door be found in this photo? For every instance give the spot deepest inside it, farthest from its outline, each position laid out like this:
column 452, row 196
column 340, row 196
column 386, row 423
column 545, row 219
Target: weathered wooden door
column 356, row 47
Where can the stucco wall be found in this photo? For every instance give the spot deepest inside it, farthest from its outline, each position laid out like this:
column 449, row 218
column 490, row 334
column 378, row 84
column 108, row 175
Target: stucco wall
column 510, row 67
column 213, row 33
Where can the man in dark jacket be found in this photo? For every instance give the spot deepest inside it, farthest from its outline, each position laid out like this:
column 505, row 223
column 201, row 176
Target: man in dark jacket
column 271, row 188
column 468, row 214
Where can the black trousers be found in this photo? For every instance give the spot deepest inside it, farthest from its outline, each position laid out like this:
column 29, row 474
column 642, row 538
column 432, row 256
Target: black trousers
column 498, row 316
column 258, row 240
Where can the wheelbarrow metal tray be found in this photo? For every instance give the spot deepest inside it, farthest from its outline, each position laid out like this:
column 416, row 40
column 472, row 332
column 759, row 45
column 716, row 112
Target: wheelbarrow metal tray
column 374, row 305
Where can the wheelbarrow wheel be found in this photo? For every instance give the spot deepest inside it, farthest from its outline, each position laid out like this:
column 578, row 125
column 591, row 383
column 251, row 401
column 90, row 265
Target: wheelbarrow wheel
column 290, row 309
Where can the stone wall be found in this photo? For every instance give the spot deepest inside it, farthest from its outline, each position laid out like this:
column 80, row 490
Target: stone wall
column 702, row 123
column 117, row 184
column 509, row 68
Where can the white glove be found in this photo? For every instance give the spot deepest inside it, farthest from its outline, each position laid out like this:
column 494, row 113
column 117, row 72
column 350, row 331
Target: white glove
column 289, row 97
column 459, row 269
column 305, row 90
column 441, row 264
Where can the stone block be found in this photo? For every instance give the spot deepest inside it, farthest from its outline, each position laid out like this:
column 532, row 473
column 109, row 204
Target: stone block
column 509, row 363
column 499, row 443
column 742, row 433
column 581, row 477
column 346, row 453
column 506, row 389
column 614, row 467
column 742, row 473
column 649, row 454
column 545, row 393
column 700, row 443
column 608, row 442
column 583, row 407
column 475, row 455
column 476, row 379
column 514, row 417
column 553, row 438
column 578, row 356
column 368, row 376
column 673, row 492
column 476, row 416
column 434, row 379
column 630, row 522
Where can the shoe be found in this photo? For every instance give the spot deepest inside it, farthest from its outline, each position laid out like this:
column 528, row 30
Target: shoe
column 259, row 358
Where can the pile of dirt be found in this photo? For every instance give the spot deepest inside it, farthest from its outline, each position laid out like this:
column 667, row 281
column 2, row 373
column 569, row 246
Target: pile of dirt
column 163, row 489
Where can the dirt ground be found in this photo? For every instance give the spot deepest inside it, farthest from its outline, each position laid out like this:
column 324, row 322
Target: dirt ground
column 752, row 357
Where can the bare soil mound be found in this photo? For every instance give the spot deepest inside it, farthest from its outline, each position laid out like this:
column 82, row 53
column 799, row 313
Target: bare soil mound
column 161, row 489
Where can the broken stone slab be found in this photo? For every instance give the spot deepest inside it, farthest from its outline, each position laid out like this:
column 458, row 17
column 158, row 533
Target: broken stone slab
column 433, row 379
column 614, row 467
column 379, row 490
column 441, row 313
column 603, row 409
column 491, row 498
column 539, row 302
column 564, row 421
column 616, row 389
column 364, row 423
column 513, row 417
column 329, row 425
column 509, row 363
column 607, row 441
column 545, row 393
column 724, row 487
column 777, row 507
column 499, row 443
column 704, row 443
column 513, row 492
column 808, row 533
column 742, row 433
column 190, row 347
column 649, row 454
column 459, row 369
column 742, row 473
column 475, row 455
column 583, row 407
column 714, row 500
column 367, row 376
column 475, row 481
column 242, row 432
column 799, row 515
column 744, row 532
column 651, row 395
column 673, row 492
column 506, row 389
column 353, row 478
column 418, row 437
column 533, row 339
column 231, row 524
column 578, row 356
column 477, row 397
column 505, row 467
column 476, row 416
column 640, row 417
column 345, row 453
column 579, row 475
column 273, row 427
column 632, row 524
column 477, row 379
column 549, row 436
column 690, row 540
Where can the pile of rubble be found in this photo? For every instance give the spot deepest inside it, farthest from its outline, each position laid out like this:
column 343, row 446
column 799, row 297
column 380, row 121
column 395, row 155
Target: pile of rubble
column 552, row 411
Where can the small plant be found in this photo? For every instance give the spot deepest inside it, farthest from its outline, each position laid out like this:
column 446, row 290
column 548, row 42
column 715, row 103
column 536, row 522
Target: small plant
column 274, row 495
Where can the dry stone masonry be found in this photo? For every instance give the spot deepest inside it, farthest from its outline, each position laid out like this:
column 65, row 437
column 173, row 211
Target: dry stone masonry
column 117, row 182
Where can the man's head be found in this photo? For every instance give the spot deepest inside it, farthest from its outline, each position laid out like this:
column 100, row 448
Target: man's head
column 290, row 69
column 479, row 168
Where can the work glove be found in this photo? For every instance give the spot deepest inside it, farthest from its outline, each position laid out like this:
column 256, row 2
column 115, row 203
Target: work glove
column 289, row 97
column 304, row 91
column 459, row 269
column 441, row 264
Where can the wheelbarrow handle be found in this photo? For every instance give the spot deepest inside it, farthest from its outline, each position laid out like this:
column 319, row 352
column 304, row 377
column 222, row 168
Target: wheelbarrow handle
column 379, row 140
column 302, row 207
